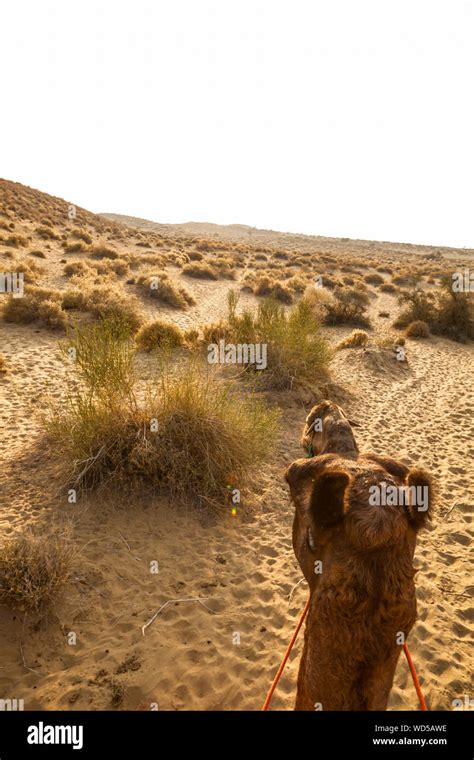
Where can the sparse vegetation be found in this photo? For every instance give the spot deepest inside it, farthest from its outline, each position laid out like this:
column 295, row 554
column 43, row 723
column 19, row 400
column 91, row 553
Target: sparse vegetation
column 34, row 568
column 201, row 270
column 158, row 334
column 164, row 289
column 37, row 304
column 417, row 329
column 357, row 339
column 204, row 434
column 347, row 306
column 296, row 350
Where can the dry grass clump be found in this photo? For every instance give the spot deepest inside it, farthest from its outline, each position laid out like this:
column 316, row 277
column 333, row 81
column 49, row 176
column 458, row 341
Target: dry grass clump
column 189, row 434
column 374, row 279
column 158, row 334
column 105, row 302
column 3, row 365
column 85, row 268
column 406, row 279
column 15, row 241
column 267, row 286
column 34, row 568
column 195, row 256
column 37, row 304
column 225, row 267
column 388, row 287
column 102, row 251
column 347, row 306
column 82, row 235
column 201, row 270
column 357, row 339
column 296, row 350
column 38, row 254
column 46, row 233
column 446, row 313
column 78, row 247
column 78, row 267
column 164, row 289
column 417, row 329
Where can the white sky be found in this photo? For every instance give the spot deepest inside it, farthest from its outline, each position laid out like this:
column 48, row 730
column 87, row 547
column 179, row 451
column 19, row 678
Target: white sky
column 343, row 117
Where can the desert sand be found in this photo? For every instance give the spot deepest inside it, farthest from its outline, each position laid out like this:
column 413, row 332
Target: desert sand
column 222, row 652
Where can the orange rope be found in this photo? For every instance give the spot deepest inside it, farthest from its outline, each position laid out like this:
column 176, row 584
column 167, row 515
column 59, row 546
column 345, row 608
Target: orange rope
column 287, row 654
column 419, row 693
column 290, row 647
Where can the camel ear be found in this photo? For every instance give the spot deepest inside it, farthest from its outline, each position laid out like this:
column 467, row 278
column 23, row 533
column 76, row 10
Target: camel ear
column 328, row 503
column 353, row 423
column 420, row 498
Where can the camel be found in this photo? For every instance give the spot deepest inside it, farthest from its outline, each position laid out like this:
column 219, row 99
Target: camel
column 357, row 557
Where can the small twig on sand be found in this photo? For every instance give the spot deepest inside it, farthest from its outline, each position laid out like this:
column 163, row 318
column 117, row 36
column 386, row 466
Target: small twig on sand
column 290, row 595
column 25, row 665
column 80, row 579
column 129, row 547
column 170, row 601
column 450, row 510
column 455, row 593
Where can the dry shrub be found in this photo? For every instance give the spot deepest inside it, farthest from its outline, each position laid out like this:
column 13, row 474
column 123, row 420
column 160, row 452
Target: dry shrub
column 34, row 566
column 406, row 279
column 164, row 289
column 102, row 251
column 201, row 270
column 454, row 316
column 78, row 267
column 15, row 241
column 105, row 302
column 374, row 279
column 419, row 307
column 158, row 334
column 3, row 365
column 224, row 267
column 78, row 247
column 296, row 351
column 39, row 254
column 189, row 434
column 82, row 235
column 37, row 304
column 388, row 287
column 195, row 256
column 417, row 329
column 347, row 307
column 85, row 268
column 266, row 286
column 47, row 234
column 357, row 339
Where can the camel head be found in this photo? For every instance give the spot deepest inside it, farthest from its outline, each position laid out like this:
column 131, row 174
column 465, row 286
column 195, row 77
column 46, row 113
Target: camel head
column 327, row 429
column 348, row 513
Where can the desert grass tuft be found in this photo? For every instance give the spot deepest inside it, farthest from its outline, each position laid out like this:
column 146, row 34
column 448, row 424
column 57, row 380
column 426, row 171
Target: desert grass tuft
column 357, row 339
column 188, row 434
column 34, row 567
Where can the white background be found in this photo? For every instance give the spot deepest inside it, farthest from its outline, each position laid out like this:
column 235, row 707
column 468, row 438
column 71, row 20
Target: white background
column 344, row 117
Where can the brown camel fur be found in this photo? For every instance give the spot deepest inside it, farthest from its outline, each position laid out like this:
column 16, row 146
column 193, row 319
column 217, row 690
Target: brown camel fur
column 357, row 557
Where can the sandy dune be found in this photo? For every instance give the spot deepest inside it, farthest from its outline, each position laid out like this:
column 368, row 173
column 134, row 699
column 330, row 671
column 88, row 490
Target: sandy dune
column 222, row 653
